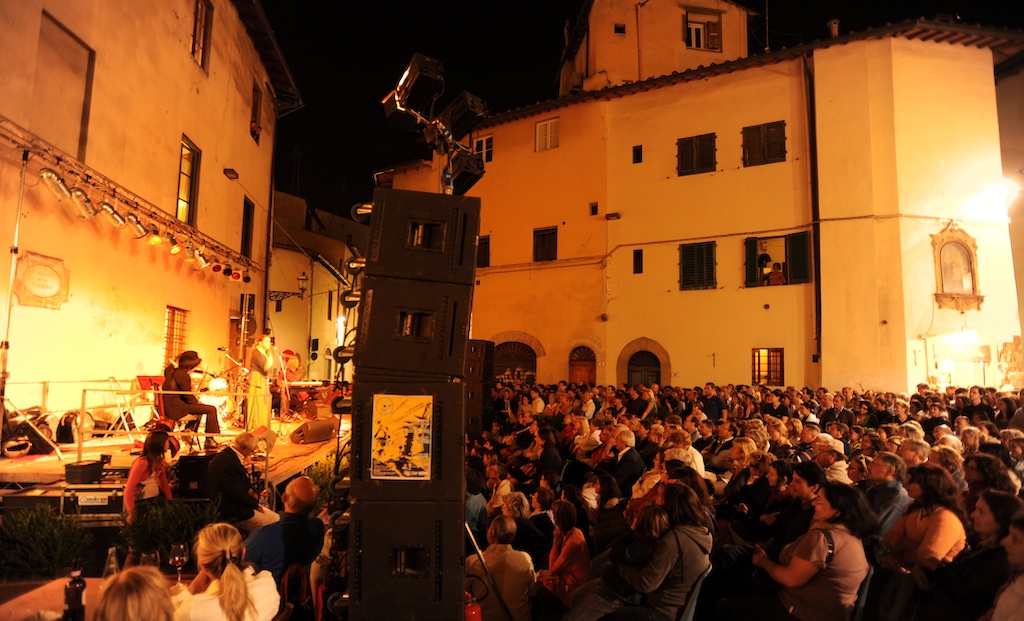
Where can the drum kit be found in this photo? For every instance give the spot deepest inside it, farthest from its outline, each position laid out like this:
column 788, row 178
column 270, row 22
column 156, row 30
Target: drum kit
column 224, row 391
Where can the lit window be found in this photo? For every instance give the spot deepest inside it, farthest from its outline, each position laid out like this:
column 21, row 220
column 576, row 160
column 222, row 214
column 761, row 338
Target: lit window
column 767, row 366
column 703, row 32
column 201, row 31
column 188, row 181
column 175, row 332
column 784, row 260
column 546, row 135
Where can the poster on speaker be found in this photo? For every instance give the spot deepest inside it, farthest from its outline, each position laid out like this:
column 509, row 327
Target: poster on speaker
column 400, row 446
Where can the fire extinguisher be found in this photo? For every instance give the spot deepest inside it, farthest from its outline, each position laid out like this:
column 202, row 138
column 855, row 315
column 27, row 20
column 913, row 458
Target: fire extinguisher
column 473, row 611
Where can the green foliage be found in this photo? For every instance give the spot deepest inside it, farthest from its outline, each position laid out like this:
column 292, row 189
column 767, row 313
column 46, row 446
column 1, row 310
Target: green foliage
column 167, row 523
column 322, row 472
column 38, row 542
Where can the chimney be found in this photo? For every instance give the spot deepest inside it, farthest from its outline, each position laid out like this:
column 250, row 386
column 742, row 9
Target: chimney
column 833, row 28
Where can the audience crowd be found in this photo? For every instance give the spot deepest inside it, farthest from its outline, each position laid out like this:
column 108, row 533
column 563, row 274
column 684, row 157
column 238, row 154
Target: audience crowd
column 738, row 502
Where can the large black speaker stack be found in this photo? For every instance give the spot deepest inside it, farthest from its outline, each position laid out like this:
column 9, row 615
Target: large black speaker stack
column 405, row 539
column 479, row 382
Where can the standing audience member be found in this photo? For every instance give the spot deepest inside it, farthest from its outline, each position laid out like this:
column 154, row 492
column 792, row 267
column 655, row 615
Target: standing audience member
column 147, row 480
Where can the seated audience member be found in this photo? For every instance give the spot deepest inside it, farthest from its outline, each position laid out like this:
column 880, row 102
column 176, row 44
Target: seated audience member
column 929, row 533
column 828, row 453
column 569, row 560
column 225, row 587
column 887, row 497
column 984, row 472
column 914, row 452
column 135, row 593
column 476, row 505
column 609, row 519
column 296, row 539
column 543, row 516
column 1010, row 597
column 229, row 484
column 511, row 569
column 749, row 528
column 527, row 537
column 821, row 572
column 962, row 590
column 953, row 462
column 629, row 465
column 502, row 489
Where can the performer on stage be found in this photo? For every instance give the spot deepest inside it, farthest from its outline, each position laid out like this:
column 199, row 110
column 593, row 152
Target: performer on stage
column 176, row 407
column 261, row 361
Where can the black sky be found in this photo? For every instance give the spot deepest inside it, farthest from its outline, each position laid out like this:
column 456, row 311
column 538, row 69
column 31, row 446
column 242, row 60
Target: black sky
column 346, row 56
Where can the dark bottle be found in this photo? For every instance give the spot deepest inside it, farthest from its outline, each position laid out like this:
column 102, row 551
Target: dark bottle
column 74, row 598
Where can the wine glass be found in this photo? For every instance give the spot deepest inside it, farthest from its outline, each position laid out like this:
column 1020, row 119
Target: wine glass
column 178, row 557
column 149, row 559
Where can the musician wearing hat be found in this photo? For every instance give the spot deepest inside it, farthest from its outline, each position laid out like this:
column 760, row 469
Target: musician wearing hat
column 178, row 406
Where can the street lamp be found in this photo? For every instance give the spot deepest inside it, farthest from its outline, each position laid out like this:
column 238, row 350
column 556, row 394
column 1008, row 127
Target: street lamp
column 303, row 282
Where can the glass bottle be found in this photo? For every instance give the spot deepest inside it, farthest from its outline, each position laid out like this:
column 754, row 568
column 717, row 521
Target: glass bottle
column 74, row 598
column 110, row 567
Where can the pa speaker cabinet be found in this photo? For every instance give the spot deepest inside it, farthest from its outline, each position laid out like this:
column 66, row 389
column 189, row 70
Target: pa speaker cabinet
column 405, row 561
column 413, row 326
column 407, row 441
column 423, row 236
column 480, row 362
column 314, row 431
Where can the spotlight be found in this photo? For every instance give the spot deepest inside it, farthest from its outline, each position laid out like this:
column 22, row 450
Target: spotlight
column 466, row 170
column 137, row 227
column 236, row 275
column 85, row 206
column 361, row 212
column 175, row 246
column 115, row 218
column 217, row 265
column 202, row 260
column 154, row 233
column 246, row 277
column 55, row 183
column 227, row 270
column 190, row 253
column 420, row 85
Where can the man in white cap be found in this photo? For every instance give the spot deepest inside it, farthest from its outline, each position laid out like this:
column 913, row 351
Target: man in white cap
column 829, row 455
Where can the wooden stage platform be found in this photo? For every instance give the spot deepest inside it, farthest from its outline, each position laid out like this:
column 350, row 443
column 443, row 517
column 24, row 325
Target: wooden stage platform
column 285, row 460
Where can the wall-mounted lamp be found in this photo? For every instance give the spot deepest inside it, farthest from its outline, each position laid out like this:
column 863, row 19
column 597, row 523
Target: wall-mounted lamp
column 231, row 173
column 302, row 281
column 613, row 216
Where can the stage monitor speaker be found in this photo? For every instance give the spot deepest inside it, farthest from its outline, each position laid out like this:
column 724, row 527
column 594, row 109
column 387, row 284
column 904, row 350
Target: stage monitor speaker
column 192, row 475
column 409, row 563
column 423, row 236
column 413, row 327
column 407, row 441
column 315, row 431
column 267, row 438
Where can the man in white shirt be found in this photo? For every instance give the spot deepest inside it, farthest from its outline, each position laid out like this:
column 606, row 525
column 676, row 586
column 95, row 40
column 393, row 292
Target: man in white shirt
column 512, row 571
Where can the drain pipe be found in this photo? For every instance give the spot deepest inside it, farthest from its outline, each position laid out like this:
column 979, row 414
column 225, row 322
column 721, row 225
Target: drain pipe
column 812, row 152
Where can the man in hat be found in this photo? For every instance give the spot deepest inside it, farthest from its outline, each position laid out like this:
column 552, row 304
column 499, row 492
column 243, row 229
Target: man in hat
column 830, row 456
column 179, row 402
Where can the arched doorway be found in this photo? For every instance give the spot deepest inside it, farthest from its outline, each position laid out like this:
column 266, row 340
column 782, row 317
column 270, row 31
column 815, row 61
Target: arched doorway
column 643, row 368
column 582, row 366
column 515, row 361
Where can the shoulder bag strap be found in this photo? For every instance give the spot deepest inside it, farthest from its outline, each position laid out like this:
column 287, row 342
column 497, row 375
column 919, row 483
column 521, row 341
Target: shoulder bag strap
column 831, row 545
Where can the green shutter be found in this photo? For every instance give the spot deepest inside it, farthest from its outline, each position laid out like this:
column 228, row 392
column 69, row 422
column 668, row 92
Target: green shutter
column 697, row 266
column 798, row 257
column 753, row 278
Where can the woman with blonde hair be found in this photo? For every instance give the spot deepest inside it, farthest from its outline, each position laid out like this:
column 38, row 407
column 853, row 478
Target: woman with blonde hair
column 226, row 589
column 135, row 593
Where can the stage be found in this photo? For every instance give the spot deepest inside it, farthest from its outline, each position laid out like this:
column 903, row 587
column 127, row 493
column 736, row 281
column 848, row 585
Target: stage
column 41, row 475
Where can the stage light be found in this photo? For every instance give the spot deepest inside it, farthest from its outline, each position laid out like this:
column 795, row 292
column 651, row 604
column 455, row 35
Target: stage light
column 217, row 265
column 137, row 227
column 53, row 181
column 85, row 206
column 420, row 85
column 227, row 270
column 350, row 299
column 115, row 218
column 246, row 277
column 190, row 253
column 361, row 212
column 175, row 247
column 154, row 235
column 236, row 275
column 395, row 116
column 202, row 260
column 463, row 114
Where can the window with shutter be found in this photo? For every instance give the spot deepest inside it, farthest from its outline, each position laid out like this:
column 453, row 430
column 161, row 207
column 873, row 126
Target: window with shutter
column 545, row 244
column 713, row 35
column 773, row 261
column 764, row 144
column 697, row 266
column 696, row 154
column 798, row 257
column 483, row 251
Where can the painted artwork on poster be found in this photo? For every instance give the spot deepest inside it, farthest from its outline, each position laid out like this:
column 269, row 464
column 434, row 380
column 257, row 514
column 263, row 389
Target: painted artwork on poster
column 400, row 446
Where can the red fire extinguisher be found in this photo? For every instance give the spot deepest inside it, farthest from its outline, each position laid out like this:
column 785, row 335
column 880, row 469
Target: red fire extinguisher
column 473, row 611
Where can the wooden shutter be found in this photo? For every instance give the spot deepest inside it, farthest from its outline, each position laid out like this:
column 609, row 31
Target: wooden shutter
column 713, row 35
column 706, row 153
column 686, row 161
column 753, row 274
column 775, row 142
column 798, row 257
column 697, row 266
column 752, row 146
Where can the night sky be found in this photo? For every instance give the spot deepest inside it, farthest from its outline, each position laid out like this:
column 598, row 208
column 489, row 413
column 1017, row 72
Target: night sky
column 346, row 56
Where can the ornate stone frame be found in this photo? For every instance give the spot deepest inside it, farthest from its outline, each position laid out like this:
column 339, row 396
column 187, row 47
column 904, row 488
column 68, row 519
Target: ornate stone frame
column 948, row 297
